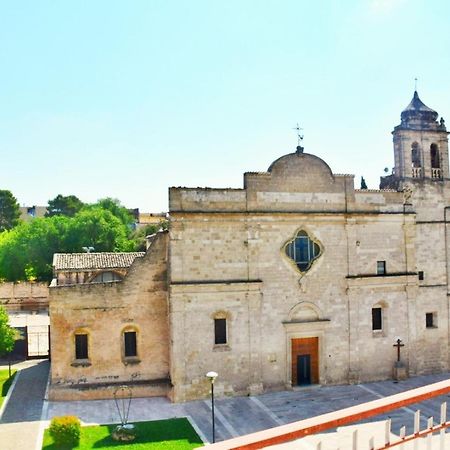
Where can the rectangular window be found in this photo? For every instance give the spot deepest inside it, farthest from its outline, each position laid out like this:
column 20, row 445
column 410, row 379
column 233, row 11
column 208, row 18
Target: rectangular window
column 377, row 319
column 220, row 331
column 429, row 320
column 421, row 275
column 381, row 267
column 130, row 343
column 81, row 346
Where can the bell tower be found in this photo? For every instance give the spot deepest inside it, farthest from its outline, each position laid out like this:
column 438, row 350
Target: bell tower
column 420, row 143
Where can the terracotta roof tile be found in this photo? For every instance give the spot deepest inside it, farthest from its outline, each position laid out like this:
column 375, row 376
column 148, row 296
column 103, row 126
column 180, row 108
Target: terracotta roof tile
column 85, row 261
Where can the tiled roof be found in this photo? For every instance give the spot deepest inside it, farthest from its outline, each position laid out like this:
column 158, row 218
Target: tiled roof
column 85, row 261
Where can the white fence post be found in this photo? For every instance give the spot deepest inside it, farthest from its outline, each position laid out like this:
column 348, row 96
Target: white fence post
column 371, row 443
column 416, row 428
column 429, row 435
column 387, row 432
column 443, row 420
column 402, row 434
column 355, row 440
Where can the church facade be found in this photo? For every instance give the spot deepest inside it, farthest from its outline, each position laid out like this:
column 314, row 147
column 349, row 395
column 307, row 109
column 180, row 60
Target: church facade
column 297, row 278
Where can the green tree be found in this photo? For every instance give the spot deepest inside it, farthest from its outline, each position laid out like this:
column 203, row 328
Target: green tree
column 139, row 235
column 363, row 183
column 9, row 210
column 99, row 228
column 26, row 252
column 117, row 209
column 7, row 333
column 64, row 206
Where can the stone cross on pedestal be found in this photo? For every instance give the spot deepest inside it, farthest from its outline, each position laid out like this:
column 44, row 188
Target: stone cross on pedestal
column 398, row 345
column 400, row 372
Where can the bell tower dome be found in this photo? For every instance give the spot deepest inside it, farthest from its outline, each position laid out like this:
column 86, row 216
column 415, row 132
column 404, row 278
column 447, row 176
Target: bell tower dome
column 420, row 144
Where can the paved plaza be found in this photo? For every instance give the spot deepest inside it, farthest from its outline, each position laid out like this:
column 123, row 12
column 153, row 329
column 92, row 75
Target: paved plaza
column 27, row 411
column 241, row 415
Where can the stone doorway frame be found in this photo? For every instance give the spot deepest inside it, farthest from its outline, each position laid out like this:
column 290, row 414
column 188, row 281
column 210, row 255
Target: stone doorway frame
column 299, row 330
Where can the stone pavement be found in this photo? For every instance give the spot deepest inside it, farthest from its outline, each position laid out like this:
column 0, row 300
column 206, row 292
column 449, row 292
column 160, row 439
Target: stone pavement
column 242, row 415
column 20, row 426
column 20, row 421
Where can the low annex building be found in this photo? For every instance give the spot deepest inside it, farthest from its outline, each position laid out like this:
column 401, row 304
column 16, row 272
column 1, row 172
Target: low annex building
column 297, row 278
column 80, row 268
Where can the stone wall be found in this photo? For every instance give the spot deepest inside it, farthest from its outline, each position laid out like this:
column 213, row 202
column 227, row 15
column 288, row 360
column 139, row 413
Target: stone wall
column 230, row 259
column 225, row 257
column 103, row 311
column 24, row 296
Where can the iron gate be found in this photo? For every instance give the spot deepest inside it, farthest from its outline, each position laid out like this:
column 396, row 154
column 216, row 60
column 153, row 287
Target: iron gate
column 34, row 342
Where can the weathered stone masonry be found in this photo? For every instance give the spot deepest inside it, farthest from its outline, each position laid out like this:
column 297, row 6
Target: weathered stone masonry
column 378, row 271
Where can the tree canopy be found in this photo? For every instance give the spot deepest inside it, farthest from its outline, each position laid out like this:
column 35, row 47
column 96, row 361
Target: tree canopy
column 7, row 333
column 26, row 252
column 138, row 236
column 64, row 206
column 115, row 207
column 27, row 248
column 9, row 210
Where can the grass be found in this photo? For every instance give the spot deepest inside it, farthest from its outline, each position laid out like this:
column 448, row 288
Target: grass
column 5, row 383
column 176, row 434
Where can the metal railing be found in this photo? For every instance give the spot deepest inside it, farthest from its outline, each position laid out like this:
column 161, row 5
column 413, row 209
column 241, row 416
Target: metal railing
column 316, row 425
column 400, row 441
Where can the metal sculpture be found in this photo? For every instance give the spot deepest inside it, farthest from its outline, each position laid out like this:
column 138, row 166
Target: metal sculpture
column 122, row 398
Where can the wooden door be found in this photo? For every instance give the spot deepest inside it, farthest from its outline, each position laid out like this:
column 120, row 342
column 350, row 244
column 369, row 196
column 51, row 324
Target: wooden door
column 305, row 361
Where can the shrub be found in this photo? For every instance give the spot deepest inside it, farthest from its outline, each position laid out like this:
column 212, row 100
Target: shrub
column 65, row 431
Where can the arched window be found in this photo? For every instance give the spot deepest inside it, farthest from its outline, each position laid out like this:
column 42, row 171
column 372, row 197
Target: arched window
column 105, row 277
column 303, row 250
column 415, row 155
column 81, row 345
column 379, row 318
column 434, row 155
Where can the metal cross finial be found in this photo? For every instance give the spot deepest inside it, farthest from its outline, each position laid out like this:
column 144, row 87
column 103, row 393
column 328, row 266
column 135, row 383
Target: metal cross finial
column 299, row 135
column 415, row 84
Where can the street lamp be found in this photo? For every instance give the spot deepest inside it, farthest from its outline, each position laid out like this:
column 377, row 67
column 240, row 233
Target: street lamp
column 212, row 376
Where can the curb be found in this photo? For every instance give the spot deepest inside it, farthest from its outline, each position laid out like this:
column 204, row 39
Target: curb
column 197, row 429
column 10, row 391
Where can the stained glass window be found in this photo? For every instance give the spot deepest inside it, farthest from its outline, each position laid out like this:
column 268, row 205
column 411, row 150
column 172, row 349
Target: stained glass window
column 303, row 250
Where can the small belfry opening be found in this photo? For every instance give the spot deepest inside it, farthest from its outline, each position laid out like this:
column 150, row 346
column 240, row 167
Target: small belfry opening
column 434, row 155
column 415, row 156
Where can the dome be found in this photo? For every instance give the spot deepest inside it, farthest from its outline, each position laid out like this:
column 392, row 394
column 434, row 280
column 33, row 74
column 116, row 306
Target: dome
column 301, row 165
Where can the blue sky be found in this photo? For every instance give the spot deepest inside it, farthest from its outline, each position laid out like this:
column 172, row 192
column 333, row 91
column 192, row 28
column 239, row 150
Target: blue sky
column 126, row 98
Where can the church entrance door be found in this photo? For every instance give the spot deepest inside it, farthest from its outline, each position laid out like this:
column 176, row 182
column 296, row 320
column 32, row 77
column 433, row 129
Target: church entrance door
column 305, row 361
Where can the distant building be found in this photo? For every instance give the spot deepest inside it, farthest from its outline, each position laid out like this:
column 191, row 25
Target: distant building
column 30, row 212
column 150, row 219
column 297, row 278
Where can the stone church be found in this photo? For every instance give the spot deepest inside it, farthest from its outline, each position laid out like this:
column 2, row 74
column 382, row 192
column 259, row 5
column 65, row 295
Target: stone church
column 297, row 278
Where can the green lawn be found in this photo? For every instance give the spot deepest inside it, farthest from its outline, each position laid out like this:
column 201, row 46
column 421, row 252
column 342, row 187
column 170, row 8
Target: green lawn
column 176, row 434
column 5, row 383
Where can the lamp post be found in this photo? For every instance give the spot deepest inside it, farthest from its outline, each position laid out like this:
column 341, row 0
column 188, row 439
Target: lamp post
column 212, row 376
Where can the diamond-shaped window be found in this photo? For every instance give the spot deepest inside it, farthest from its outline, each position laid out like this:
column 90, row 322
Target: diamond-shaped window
column 303, row 250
